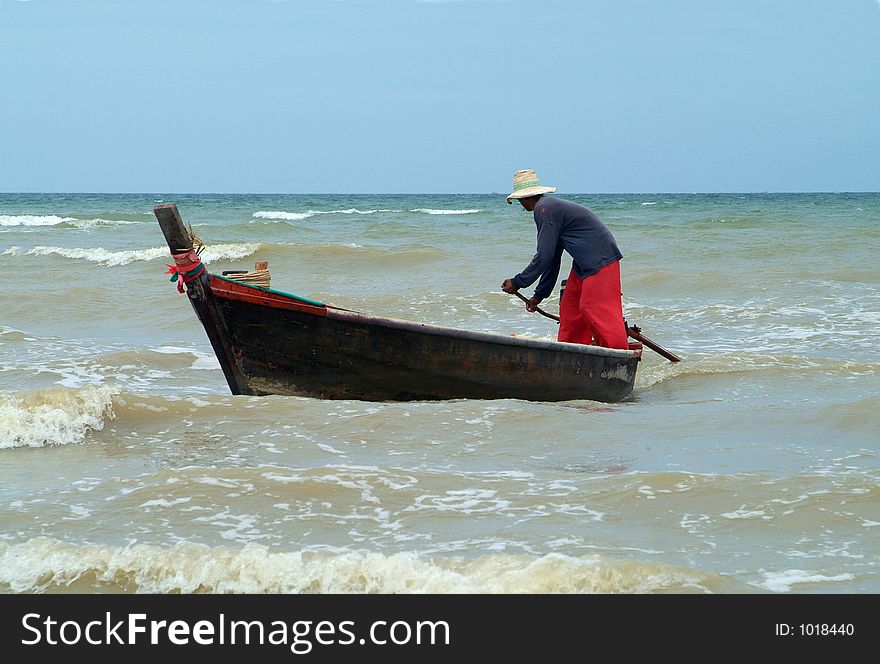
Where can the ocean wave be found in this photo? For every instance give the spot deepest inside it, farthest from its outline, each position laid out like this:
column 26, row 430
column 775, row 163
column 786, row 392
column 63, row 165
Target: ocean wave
column 44, row 564
column 93, row 223
column 861, row 415
column 100, row 255
column 11, row 251
column 219, row 252
column 33, row 220
column 12, row 334
column 280, row 215
column 54, row 416
column 781, row 582
column 354, row 250
column 152, row 360
column 200, row 359
column 10, row 220
column 136, row 410
column 436, row 211
column 705, row 365
column 124, row 257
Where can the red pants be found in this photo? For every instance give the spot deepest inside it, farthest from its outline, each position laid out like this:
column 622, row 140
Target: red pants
column 590, row 311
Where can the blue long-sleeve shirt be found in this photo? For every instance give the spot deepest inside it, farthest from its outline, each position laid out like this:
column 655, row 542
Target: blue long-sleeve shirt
column 572, row 227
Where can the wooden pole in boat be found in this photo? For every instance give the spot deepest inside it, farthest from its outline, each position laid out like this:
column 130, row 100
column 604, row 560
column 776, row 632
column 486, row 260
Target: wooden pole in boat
column 633, row 331
column 538, row 309
column 203, row 303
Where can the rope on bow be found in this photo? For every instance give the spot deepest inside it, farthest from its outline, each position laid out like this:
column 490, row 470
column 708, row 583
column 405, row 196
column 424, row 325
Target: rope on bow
column 187, row 267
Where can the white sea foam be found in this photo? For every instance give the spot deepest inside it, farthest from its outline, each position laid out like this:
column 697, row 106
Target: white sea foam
column 12, row 251
column 202, row 360
column 173, row 350
column 33, row 220
column 162, row 502
column 219, row 252
column 435, row 211
column 103, row 256
column 781, row 582
column 281, row 215
column 205, row 362
column 78, row 513
column 54, row 416
column 100, row 255
column 11, row 220
column 743, row 513
column 465, row 501
column 44, row 563
column 93, row 223
column 350, row 211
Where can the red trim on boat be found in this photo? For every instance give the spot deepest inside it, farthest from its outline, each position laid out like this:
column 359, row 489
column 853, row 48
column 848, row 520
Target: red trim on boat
column 244, row 293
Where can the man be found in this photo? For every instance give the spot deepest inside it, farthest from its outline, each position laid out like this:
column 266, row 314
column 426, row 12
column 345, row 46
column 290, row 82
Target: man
column 590, row 311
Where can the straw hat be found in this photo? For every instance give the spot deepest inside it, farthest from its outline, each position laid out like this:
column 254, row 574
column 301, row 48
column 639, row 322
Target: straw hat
column 526, row 183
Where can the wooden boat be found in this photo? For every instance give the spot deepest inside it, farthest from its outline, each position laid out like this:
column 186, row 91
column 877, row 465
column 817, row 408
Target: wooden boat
column 270, row 342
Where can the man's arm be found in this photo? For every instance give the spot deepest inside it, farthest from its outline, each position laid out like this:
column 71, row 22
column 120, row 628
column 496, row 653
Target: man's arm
column 547, row 257
column 549, row 277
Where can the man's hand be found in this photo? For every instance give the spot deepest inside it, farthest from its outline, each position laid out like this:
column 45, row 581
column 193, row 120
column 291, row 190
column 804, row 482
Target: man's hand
column 508, row 287
column 532, row 304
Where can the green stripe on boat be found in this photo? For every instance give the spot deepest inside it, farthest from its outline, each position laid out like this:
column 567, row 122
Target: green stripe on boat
column 272, row 290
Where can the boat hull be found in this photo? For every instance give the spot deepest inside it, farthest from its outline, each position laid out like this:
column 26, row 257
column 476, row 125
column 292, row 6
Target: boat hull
column 287, row 347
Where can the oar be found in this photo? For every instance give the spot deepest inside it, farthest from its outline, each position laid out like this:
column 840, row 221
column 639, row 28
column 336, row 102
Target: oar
column 633, row 331
column 636, row 333
column 538, row 309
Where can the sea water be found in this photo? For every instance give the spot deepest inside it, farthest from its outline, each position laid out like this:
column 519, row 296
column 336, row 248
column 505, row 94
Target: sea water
column 751, row 466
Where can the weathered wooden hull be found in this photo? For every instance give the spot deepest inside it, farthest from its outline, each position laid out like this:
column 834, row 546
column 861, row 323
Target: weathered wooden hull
column 287, row 347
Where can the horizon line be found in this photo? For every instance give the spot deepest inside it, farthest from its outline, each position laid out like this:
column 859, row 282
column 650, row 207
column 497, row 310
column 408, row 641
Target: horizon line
column 428, row 193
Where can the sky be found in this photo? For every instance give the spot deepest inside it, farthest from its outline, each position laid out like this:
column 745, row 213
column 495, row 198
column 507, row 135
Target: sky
column 439, row 96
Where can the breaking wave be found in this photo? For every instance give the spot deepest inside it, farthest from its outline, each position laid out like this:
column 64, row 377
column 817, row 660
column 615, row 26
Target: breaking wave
column 54, row 416
column 280, row 215
column 435, row 211
column 108, row 257
column 33, row 220
column 10, row 220
column 708, row 365
column 44, row 564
